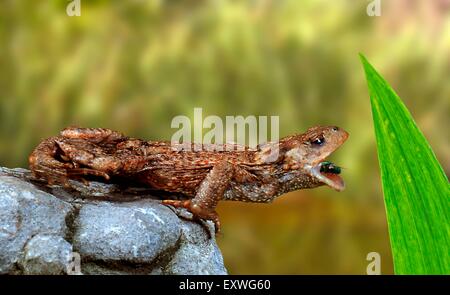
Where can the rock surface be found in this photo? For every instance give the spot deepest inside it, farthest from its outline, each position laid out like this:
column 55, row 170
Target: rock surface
column 102, row 230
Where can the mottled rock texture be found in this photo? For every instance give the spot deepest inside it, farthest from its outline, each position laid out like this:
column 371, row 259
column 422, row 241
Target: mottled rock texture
column 97, row 229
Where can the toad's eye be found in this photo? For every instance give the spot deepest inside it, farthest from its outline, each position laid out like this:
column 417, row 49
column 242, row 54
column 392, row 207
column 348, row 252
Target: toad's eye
column 318, row 141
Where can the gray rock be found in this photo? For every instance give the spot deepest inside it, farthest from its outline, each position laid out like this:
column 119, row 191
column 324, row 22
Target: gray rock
column 136, row 232
column 26, row 211
column 46, row 254
column 207, row 259
column 41, row 226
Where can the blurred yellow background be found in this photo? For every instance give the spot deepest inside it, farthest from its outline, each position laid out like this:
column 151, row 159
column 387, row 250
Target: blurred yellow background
column 134, row 65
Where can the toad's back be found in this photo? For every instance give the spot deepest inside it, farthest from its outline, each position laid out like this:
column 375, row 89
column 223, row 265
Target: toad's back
column 181, row 168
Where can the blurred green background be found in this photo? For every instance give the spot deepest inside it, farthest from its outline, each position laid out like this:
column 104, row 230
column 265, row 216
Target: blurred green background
column 134, row 65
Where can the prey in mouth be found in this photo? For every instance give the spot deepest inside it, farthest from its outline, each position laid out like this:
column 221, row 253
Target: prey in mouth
column 328, row 173
column 307, row 154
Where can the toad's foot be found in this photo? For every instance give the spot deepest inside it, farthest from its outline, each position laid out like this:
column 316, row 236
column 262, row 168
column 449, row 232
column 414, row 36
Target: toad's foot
column 211, row 190
column 197, row 211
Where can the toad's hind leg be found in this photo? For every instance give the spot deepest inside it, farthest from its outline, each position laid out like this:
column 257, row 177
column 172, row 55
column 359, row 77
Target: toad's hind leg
column 44, row 165
column 210, row 192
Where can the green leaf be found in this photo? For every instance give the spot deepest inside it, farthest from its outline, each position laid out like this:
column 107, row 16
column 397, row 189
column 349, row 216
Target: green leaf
column 415, row 187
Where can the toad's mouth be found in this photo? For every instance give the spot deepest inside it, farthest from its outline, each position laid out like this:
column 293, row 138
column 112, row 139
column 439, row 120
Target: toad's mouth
column 328, row 173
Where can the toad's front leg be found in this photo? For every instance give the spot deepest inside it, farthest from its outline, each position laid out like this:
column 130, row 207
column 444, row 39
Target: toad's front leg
column 209, row 193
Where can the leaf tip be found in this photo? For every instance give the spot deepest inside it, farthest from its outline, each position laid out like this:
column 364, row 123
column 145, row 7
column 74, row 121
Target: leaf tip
column 362, row 57
column 366, row 65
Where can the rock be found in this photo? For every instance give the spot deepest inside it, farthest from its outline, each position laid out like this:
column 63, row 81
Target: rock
column 136, row 232
column 46, row 254
column 51, row 230
column 207, row 260
column 26, row 211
